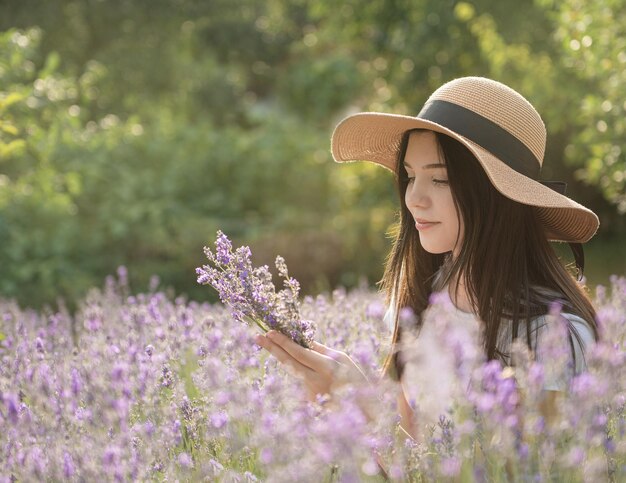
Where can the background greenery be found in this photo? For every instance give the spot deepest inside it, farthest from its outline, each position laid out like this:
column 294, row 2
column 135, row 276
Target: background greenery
column 130, row 131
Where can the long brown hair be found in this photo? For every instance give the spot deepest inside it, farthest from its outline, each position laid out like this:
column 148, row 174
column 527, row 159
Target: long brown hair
column 498, row 233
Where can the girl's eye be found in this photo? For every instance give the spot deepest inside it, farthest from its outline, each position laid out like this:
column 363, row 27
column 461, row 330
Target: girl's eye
column 439, row 182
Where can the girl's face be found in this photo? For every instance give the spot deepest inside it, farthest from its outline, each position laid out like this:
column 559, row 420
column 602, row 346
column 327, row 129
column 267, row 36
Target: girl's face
column 428, row 196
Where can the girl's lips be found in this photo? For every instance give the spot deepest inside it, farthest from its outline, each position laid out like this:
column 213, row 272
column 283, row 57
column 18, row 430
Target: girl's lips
column 425, row 225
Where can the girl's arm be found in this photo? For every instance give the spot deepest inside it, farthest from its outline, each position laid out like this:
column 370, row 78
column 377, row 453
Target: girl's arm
column 406, row 415
column 323, row 369
column 549, row 406
column 404, row 410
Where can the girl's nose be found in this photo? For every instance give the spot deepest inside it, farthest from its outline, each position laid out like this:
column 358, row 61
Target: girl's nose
column 416, row 196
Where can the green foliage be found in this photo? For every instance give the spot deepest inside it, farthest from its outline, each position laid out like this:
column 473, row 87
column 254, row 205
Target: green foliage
column 130, row 134
column 36, row 199
column 592, row 36
column 575, row 80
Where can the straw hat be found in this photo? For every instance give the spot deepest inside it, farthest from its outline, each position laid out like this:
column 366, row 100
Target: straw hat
column 498, row 125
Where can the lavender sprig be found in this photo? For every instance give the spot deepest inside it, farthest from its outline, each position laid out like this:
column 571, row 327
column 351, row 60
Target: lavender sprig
column 250, row 293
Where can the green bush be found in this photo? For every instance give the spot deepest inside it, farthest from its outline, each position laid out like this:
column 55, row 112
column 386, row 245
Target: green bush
column 129, row 135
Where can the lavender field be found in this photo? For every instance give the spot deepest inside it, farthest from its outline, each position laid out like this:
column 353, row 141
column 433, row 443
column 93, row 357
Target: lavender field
column 146, row 387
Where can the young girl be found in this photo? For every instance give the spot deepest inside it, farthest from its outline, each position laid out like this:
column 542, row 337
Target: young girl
column 475, row 223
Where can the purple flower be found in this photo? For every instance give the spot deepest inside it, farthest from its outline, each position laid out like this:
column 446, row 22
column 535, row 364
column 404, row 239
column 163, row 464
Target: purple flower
column 167, row 378
column 76, row 382
column 219, row 419
column 93, row 322
column 122, row 274
column 215, row 467
column 68, row 465
column 583, row 384
column 268, row 420
column 222, row 397
column 375, row 310
column 536, row 375
column 266, row 456
column 118, row 374
column 223, row 249
column 38, row 461
column 149, row 428
column 148, row 390
column 185, row 460
column 396, row 471
column 214, row 339
column 203, row 276
column 407, row 316
column 486, row 402
column 250, row 293
column 450, row 466
column 576, row 456
column 110, row 458
column 11, row 402
column 39, row 345
column 176, row 432
column 363, row 356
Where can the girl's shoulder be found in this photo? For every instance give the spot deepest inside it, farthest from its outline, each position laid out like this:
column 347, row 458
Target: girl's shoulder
column 542, row 322
column 574, row 322
column 581, row 330
column 572, row 343
column 577, row 328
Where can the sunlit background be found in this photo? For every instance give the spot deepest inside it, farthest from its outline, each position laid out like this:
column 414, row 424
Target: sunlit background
column 130, row 132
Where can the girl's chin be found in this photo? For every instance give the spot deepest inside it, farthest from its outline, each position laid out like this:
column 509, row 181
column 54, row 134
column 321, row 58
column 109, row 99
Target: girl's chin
column 434, row 249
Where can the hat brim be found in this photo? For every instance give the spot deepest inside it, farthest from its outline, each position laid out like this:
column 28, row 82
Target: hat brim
column 376, row 137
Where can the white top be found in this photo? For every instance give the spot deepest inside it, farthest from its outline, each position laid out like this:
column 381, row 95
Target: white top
column 449, row 334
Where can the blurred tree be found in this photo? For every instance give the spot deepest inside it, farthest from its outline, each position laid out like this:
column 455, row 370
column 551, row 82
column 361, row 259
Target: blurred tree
column 573, row 85
column 592, row 40
column 36, row 199
column 131, row 131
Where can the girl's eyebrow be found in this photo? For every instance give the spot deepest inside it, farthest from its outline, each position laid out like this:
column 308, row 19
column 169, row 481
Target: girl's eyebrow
column 427, row 166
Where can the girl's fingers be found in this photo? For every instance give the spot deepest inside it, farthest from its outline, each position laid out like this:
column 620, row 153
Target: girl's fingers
column 283, row 356
column 332, row 353
column 343, row 358
column 314, row 360
column 322, row 349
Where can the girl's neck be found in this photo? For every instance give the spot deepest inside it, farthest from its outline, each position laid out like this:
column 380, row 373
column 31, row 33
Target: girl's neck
column 459, row 296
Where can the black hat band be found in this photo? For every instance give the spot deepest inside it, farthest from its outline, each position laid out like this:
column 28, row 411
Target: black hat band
column 484, row 132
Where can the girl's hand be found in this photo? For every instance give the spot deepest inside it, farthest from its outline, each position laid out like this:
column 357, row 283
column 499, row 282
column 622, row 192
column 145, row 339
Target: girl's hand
column 322, row 368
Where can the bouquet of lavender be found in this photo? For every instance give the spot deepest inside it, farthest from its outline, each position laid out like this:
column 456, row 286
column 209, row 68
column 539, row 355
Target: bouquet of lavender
column 250, row 293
